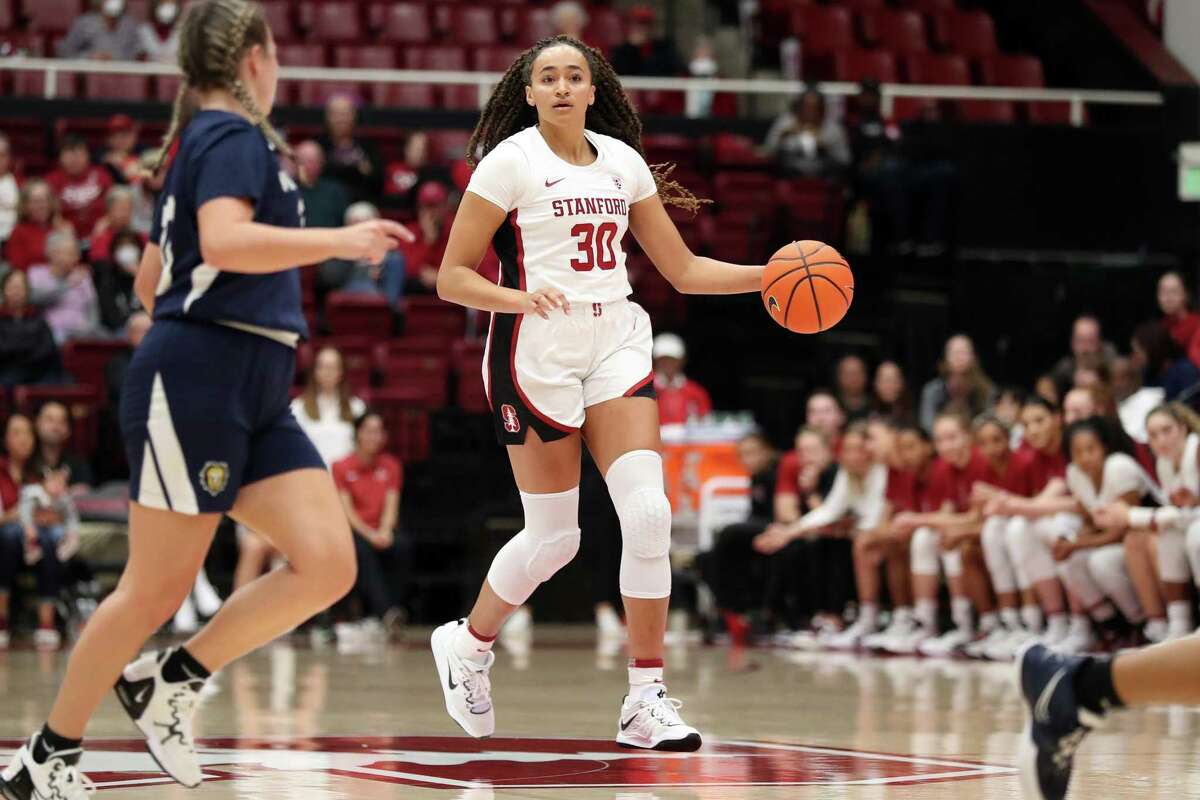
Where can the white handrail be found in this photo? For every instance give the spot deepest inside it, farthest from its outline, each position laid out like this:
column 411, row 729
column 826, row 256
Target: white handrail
column 484, row 81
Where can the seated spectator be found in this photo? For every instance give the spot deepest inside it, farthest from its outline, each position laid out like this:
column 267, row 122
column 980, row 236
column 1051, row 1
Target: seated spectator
column 53, row 426
column 1046, row 387
column 114, row 281
column 680, row 399
column 369, row 482
column 1088, row 348
column 823, row 412
column 643, row 53
column 50, row 523
column 1161, row 361
column 891, row 393
column 120, row 152
column 408, row 177
column 385, row 279
column 423, row 256
column 351, row 161
column 1175, row 302
column 880, row 173
column 851, row 382
column 325, row 201
column 1134, row 400
column 37, row 217
column 159, row 33
column 702, row 64
column 146, row 191
column 961, row 386
column 106, row 33
column 64, row 290
column 28, row 353
column 136, row 328
column 117, row 219
column 326, row 410
column 806, row 141
column 80, row 185
column 568, row 19
column 10, row 194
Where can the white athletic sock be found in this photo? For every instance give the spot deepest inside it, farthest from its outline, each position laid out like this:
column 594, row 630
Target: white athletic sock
column 960, row 612
column 926, row 614
column 988, row 622
column 1080, row 623
column 1057, row 626
column 1011, row 618
column 1179, row 614
column 868, row 615
column 903, row 615
column 470, row 646
column 643, row 677
column 1031, row 617
column 1103, row 612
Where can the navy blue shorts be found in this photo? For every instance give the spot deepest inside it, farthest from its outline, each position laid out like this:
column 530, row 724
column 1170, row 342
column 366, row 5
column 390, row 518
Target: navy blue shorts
column 204, row 412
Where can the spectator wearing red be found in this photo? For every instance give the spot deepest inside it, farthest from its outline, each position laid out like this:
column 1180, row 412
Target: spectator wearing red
column 16, row 470
column 120, row 153
column 1175, row 302
column 117, row 219
column 10, row 194
column 28, row 354
column 423, row 257
column 680, row 399
column 369, row 482
column 37, row 217
column 643, row 53
column 80, row 185
column 407, row 177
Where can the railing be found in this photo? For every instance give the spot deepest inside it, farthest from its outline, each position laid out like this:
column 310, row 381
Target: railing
column 1076, row 99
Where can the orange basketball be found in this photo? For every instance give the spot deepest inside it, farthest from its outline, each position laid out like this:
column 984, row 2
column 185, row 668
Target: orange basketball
column 807, row 287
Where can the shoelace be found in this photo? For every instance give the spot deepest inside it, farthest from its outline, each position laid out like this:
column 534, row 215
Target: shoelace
column 665, row 710
column 68, row 783
column 1067, row 746
column 478, row 686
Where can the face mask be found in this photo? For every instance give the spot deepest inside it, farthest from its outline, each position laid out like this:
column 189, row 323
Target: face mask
column 166, row 13
column 127, row 256
column 112, row 8
column 704, row 67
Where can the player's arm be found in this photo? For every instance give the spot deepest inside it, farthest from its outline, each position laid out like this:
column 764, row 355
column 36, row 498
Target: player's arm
column 687, row 272
column 231, row 240
column 391, row 513
column 145, row 283
column 457, row 282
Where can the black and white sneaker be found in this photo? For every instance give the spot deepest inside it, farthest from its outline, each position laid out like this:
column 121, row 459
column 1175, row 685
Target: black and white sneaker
column 57, row 779
column 652, row 722
column 163, row 710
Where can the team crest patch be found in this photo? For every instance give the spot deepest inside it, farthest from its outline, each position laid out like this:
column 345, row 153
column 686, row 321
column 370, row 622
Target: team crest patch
column 617, row 181
column 214, row 477
column 508, row 415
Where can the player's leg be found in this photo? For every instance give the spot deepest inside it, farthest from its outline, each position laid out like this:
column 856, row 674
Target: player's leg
column 1139, row 557
column 1029, row 542
column 254, row 553
column 868, row 558
column 1171, row 560
column 926, row 565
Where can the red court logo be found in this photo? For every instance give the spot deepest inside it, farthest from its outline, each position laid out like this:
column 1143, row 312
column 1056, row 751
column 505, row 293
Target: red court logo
column 508, row 414
column 457, row 763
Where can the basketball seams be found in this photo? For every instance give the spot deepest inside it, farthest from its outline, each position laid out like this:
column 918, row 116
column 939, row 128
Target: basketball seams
column 832, row 283
column 797, row 269
column 812, row 287
column 842, row 283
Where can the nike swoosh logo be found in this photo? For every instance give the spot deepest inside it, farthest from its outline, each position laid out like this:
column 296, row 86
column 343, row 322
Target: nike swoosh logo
column 628, row 722
column 140, row 697
column 1041, row 710
column 450, row 678
column 550, row 183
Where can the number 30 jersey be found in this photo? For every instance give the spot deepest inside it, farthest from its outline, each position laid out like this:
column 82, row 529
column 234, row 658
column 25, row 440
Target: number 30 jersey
column 565, row 222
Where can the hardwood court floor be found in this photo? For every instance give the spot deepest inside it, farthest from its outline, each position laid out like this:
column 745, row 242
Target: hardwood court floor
column 290, row 722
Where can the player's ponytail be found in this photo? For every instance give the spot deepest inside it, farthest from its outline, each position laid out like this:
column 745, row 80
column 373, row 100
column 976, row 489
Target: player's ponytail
column 613, row 115
column 213, row 37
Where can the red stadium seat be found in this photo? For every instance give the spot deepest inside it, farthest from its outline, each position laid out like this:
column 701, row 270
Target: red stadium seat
column 428, row 373
column 332, row 21
column 7, row 18
column 930, row 6
column 404, row 95
column 33, row 84
column 910, row 108
column 605, row 30
column 356, row 354
column 863, row 5
column 318, row 93
column 358, row 315
column 1020, row 70
column 460, row 98
column 279, row 17
column 945, row 70
column 732, row 150
column 116, row 87
column 445, row 58
column 899, row 31
column 429, row 316
column 495, row 59
column 83, row 406
column 50, row 16
column 825, row 29
column 742, row 190
column 404, row 23
column 861, row 65
column 671, row 147
column 432, row 344
column 364, row 57
column 448, row 145
column 470, row 395
column 302, row 55
column 525, row 25
column 166, row 87
column 473, row 25
column 999, row 111
column 971, row 33
column 86, row 360
column 1050, row 113
column 405, row 417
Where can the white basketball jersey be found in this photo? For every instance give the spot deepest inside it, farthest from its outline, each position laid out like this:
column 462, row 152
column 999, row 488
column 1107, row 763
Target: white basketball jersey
column 1187, row 476
column 565, row 223
column 1122, row 475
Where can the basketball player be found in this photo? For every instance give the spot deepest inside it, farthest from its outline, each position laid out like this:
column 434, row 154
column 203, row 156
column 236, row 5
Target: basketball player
column 562, row 177
column 205, row 414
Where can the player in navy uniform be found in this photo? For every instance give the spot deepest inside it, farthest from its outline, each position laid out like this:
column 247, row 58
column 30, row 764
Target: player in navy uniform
column 205, row 414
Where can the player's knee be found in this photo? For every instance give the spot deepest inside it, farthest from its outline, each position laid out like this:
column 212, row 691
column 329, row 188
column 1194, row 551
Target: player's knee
column 924, row 552
column 952, row 563
column 646, row 523
column 548, row 542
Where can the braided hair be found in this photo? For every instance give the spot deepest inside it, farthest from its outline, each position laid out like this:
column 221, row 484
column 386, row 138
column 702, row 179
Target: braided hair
column 214, row 35
column 612, row 114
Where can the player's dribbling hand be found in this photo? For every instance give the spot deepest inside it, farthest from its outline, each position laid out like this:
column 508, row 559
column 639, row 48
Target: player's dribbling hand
column 543, row 301
column 370, row 241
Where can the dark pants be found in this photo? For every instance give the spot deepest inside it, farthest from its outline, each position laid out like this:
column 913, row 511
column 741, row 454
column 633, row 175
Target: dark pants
column 734, row 570
column 48, row 570
column 601, row 532
column 809, row 577
column 382, row 574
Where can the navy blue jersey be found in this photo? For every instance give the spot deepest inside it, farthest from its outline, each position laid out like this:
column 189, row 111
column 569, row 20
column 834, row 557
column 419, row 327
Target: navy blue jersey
column 224, row 155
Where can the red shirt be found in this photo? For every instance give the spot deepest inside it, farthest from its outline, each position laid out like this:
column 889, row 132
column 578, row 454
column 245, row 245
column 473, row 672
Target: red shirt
column 10, row 491
column 1037, row 469
column 368, row 485
column 1013, row 479
column 101, row 249
column 787, row 479
column 951, row 484
column 680, row 400
column 907, row 491
column 81, row 198
column 27, row 245
column 1185, row 330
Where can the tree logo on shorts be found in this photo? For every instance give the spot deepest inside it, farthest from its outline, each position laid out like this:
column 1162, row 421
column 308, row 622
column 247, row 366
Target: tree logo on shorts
column 508, row 414
column 214, row 477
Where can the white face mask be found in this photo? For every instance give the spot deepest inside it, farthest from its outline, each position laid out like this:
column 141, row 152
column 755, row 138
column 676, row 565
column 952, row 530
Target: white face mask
column 112, row 8
column 703, row 67
column 127, row 256
column 166, row 13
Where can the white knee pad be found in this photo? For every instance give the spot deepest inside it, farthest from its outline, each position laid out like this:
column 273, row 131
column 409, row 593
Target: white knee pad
column 1192, row 543
column 1108, row 569
column 635, row 482
column 996, row 554
column 1014, row 543
column 1076, row 574
column 1032, row 551
column 1173, row 555
column 952, row 563
column 547, row 544
column 925, row 552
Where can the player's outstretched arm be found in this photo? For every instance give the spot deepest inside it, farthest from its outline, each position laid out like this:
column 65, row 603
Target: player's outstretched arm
column 687, row 272
column 231, row 240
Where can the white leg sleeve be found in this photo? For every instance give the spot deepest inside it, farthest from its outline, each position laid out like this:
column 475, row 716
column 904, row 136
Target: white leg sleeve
column 1193, row 549
column 952, row 563
column 547, row 544
column 1032, row 552
column 1107, row 565
column 996, row 554
column 1076, row 573
column 925, row 552
column 1173, row 555
column 635, row 482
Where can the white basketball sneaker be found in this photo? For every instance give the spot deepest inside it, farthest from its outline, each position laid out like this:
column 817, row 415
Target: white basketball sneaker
column 852, row 637
column 651, row 721
column 1080, row 639
column 979, row 647
column 902, row 625
column 905, row 645
column 947, row 644
column 163, row 710
column 58, row 778
column 465, row 683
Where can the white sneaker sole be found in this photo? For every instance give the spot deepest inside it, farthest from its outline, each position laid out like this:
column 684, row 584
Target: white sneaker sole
column 440, row 643
column 688, row 744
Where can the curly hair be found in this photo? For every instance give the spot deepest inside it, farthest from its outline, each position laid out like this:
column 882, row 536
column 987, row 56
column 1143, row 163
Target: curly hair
column 613, row 115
